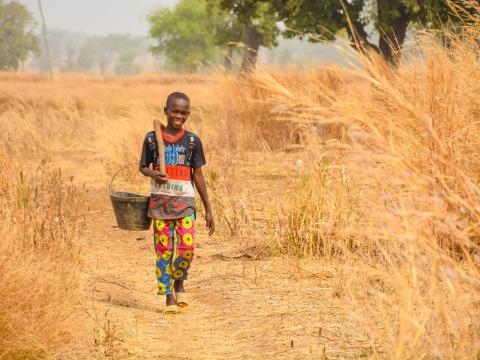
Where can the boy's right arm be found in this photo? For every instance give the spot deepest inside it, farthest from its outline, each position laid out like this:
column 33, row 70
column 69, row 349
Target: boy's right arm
column 145, row 160
column 156, row 175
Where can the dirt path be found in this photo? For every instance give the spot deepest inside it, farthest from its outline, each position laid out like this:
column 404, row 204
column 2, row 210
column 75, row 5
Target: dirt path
column 242, row 307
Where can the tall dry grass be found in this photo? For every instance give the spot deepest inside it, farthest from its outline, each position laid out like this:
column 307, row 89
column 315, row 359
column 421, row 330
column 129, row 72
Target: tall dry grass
column 395, row 205
column 40, row 223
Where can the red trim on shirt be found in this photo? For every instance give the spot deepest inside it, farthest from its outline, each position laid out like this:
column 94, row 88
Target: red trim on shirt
column 174, row 139
column 178, row 172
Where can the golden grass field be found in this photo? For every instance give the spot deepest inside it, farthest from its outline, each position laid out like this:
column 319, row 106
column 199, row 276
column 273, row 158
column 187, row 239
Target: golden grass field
column 347, row 204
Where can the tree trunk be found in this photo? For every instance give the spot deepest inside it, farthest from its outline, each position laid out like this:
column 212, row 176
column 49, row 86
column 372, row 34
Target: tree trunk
column 392, row 39
column 228, row 60
column 252, row 40
column 359, row 37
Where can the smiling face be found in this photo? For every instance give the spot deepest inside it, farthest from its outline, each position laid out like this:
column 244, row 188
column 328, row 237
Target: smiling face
column 177, row 112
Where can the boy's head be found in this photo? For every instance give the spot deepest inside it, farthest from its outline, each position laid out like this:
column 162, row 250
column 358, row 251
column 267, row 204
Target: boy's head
column 177, row 109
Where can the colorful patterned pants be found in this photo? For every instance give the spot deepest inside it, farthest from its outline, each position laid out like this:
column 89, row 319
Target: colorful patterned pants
column 174, row 245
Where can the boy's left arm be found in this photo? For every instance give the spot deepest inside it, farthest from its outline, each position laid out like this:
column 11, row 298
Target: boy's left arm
column 201, row 186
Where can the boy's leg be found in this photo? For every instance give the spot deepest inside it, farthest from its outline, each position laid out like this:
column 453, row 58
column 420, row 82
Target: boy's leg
column 163, row 233
column 185, row 230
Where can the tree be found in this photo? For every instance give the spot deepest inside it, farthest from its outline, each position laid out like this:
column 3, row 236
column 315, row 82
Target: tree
column 185, row 35
column 118, row 49
column 259, row 23
column 228, row 32
column 394, row 18
column 87, row 54
column 390, row 18
column 123, row 49
column 17, row 39
column 125, row 64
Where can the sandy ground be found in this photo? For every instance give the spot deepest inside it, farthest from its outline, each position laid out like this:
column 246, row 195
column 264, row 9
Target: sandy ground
column 242, row 305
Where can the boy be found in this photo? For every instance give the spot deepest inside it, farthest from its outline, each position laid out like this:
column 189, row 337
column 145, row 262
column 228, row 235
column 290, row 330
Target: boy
column 172, row 202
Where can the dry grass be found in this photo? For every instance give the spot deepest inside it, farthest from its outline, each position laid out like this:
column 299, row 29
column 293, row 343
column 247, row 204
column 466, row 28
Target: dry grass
column 396, row 204
column 385, row 195
column 41, row 221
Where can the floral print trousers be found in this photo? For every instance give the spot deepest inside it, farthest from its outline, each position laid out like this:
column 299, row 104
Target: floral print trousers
column 174, row 246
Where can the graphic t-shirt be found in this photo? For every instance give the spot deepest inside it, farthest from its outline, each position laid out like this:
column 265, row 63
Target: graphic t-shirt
column 176, row 198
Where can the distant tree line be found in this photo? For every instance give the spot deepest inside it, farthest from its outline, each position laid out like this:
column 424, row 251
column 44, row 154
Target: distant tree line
column 115, row 53
column 199, row 33
column 118, row 51
column 196, row 31
column 109, row 54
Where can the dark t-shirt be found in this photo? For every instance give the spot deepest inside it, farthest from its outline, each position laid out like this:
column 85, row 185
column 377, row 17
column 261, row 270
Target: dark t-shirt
column 176, row 198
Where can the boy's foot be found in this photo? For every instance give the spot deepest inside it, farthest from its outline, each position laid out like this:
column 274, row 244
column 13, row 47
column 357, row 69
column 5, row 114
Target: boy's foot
column 170, row 300
column 171, row 310
column 182, row 301
column 180, row 293
column 171, row 305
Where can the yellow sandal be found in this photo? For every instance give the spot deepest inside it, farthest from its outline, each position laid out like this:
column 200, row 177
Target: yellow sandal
column 181, row 299
column 171, row 310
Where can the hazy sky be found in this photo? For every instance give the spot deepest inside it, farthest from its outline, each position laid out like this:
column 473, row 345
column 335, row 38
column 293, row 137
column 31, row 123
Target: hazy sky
column 97, row 17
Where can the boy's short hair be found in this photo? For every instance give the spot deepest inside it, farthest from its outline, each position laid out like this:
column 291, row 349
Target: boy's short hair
column 176, row 96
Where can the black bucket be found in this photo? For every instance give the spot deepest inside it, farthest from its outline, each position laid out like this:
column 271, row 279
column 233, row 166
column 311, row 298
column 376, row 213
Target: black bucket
column 130, row 209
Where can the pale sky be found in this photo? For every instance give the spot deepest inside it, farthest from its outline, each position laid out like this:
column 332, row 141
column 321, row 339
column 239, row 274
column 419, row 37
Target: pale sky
column 97, row 17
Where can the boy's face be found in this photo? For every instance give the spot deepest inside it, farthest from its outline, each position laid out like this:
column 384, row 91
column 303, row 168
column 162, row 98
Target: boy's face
column 177, row 112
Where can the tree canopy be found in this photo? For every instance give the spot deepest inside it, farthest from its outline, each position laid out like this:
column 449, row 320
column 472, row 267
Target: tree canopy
column 184, row 34
column 17, row 39
column 228, row 32
column 390, row 18
column 196, row 32
column 191, row 34
column 259, row 22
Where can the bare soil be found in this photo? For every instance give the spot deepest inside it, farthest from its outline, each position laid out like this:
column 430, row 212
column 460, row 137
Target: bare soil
column 243, row 304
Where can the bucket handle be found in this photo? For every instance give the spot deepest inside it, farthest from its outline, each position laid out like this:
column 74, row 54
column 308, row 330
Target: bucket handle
column 110, row 187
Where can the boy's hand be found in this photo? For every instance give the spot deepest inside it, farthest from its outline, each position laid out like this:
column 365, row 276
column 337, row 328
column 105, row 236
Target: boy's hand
column 159, row 177
column 210, row 223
